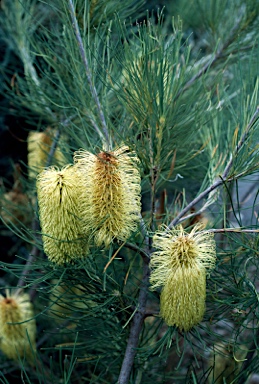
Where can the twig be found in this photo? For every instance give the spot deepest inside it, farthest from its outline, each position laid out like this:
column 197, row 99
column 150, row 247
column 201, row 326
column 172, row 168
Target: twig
column 140, row 313
column 223, row 178
column 33, row 254
column 88, row 73
column 191, row 215
column 238, row 230
column 202, row 209
column 135, row 329
column 211, row 188
column 113, row 257
column 131, row 246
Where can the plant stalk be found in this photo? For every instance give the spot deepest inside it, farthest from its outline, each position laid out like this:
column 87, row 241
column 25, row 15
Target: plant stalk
column 135, row 329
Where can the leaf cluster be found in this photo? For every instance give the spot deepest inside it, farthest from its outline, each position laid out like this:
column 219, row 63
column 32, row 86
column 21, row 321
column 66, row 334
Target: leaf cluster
column 181, row 92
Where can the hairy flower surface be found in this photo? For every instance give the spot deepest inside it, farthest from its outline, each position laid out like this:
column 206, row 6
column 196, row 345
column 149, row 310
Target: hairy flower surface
column 39, row 144
column 17, row 327
column 180, row 266
column 112, row 184
column 60, row 196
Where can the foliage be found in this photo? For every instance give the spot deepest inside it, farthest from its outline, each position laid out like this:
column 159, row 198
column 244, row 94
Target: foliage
column 177, row 89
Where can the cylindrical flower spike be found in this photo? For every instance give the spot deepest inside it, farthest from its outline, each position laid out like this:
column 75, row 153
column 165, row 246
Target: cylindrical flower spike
column 112, row 184
column 60, row 196
column 180, row 267
column 39, row 144
column 17, row 326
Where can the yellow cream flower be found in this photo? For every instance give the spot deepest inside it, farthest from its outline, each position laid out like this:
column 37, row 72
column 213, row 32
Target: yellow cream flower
column 112, row 186
column 17, row 326
column 180, row 267
column 60, row 194
column 39, row 144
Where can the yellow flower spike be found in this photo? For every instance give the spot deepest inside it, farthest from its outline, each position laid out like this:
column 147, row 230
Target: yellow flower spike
column 112, row 183
column 39, row 144
column 60, row 196
column 17, row 326
column 180, row 267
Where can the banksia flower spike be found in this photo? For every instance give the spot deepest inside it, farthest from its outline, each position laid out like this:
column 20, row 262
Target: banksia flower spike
column 112, row 184
column 17, row 326
column 59, row 197
column 180, row 267
column 39, row 144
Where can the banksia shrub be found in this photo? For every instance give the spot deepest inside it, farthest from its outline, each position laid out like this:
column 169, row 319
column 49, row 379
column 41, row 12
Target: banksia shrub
column 17, row 327
column 60, row 196
column 134, row 91
column 180, row 266
column 112, row 186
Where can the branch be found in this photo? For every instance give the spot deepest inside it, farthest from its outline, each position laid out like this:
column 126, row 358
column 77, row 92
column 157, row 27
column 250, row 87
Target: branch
column 176, row 220
column 135, row 329
column 238, row 230
column 32, row 256
column 140, row 314
column 88, row 72
column 219, row 181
